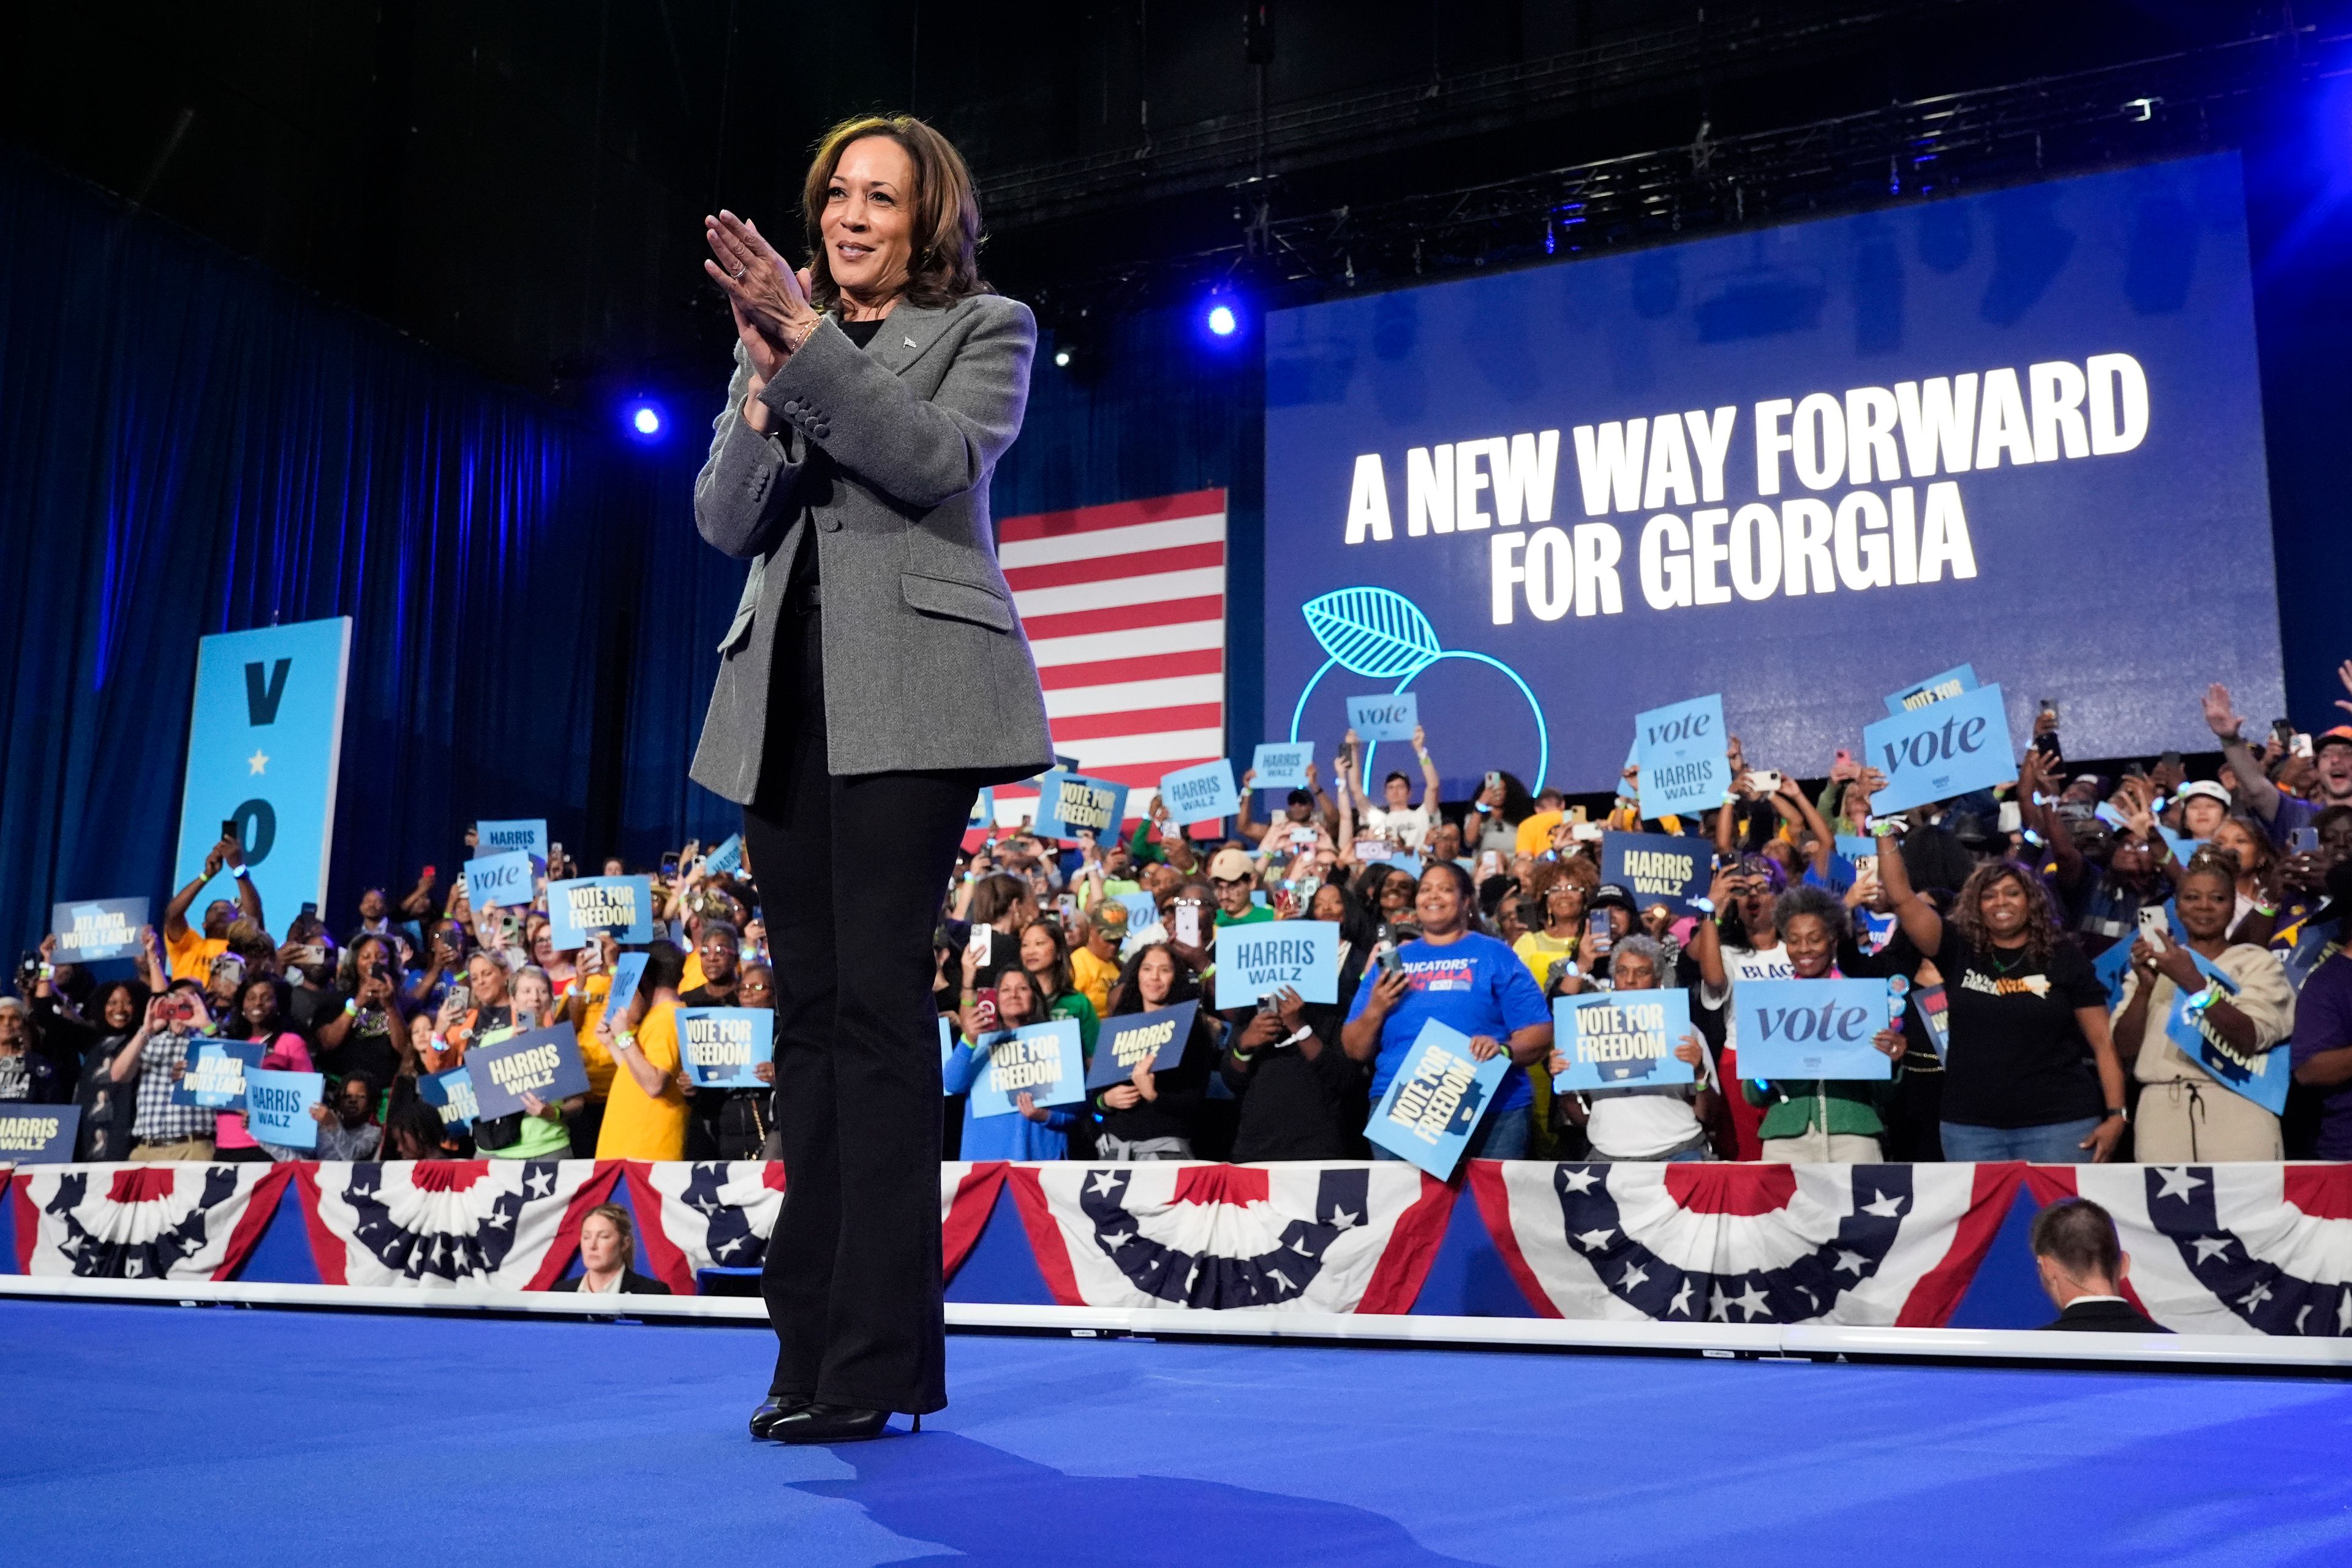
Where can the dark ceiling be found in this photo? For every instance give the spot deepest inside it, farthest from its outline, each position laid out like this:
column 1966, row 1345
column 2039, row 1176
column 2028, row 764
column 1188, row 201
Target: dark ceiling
column 519, row 183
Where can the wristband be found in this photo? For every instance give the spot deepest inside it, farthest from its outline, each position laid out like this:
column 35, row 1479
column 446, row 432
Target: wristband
column 2266, row 911
column 242, row 873
column 352, row 1007
column 1705, row 906
column 48, row 970
column 1887, row 827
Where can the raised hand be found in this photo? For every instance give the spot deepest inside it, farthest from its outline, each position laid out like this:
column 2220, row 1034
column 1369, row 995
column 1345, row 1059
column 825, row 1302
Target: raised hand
column 761, row 286
column 2220, row 714
column 2344, row 674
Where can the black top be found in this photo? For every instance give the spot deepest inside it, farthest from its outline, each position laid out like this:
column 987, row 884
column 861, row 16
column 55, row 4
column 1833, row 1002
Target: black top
column 1180, row 1092
column 1293, row 1109
column 803, row 592
column 632, row 1284
column 2103, row 1318
column 860, row 332
column 2018, row 1058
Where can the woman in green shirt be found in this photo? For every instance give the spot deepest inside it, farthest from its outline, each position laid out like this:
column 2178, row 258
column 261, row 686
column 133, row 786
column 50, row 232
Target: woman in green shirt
column 1834, row 1121
column 1046, row 955
column 539, row 1130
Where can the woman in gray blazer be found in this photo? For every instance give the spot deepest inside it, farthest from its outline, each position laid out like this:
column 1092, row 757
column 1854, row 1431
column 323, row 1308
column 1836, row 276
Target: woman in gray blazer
column 872, row 678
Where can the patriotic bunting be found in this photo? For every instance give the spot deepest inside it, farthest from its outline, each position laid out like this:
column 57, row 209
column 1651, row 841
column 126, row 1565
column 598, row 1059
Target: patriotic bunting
column 161, row 1221
column 437, row 1223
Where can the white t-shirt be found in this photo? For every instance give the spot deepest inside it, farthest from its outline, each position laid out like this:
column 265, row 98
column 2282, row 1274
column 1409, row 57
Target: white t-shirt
column 1744, row 964
column 1640, row 1123
column 1409, row 827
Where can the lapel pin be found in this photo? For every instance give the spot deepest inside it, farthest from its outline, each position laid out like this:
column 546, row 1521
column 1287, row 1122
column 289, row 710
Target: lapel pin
column 910, row 343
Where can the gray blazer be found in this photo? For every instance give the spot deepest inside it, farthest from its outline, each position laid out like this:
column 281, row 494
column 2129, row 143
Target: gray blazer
column 880, row 458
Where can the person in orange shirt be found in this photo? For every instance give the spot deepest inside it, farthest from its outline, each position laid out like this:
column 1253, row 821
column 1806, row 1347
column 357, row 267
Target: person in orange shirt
column 644, row 1117
column 192, row 952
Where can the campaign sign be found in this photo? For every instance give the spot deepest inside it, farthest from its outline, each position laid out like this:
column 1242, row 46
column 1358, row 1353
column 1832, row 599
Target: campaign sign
column 583, row 908
column 1255, row 961
column 1935, row 689
column 506, row 880
column 2113, row 967
column 38, row 1134
column 1043, row 1058
column 2259, row 1076
column 1158, row 1037
column 1392, row 716
column 451, row 1093
column 1680, row 751
column 526, row 837
column 722, row 1047
column 2184, row 848
column 1801, row 1029
column 1069, row 803
column 1860, row 852
column 627, row 971
column 278, row 1106
column 1943, row 750
column 1282, row 765
column 1202, row 793
column 544, row 1062
column 728, row 859
column 1658, row 867
column 1142, row 910
column 1622, row 1040
column 91, row 929
column 217, row 1073
column 1434, row 1101
column 1935, row 1010
column 983, row 810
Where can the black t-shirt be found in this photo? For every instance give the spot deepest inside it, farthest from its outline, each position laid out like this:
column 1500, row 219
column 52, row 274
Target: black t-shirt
column 2018, row 1058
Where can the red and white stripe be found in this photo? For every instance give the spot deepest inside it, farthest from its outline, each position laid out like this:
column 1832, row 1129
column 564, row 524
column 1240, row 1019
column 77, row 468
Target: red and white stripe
column 1125, row 609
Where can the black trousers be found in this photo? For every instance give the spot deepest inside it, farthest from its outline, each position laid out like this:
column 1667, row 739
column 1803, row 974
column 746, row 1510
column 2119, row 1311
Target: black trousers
column 851, row 874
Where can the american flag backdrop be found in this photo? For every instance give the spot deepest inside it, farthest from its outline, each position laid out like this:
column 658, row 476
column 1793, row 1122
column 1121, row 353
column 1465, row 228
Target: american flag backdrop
column 1125, row 608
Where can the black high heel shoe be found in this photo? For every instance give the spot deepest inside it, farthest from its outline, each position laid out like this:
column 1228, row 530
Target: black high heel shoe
column 775, row 1408
column 816, row 1424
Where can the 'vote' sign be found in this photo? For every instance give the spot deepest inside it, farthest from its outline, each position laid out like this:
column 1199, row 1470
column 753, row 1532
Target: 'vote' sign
column 1393, row 717
column 1795, row 1031
column 1944, row 749
column 1679, row 755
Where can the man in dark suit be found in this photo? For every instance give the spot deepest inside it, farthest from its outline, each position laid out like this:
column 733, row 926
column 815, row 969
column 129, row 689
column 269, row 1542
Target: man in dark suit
column 2083, row 1268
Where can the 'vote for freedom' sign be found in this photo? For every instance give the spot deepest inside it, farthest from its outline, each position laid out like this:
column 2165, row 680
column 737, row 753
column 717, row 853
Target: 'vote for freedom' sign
column 1255, row 961
column 2260, row 1075
column 1935, row 689
column 1069, row 804
column 544, row 1062
column 1942, row 750
column 1392, row 716
column 91, row 929
column 1792, row 1030
column 38, row 1134
column 1658, row 867
column 1434, row 1101
column 216, row 1069
column 1156, row 1037
column 278, row 1106
column 1680, row 751
column 586, row 907
column 1622, row 1040
column 723, row 1046
column 1043, row 1058
column 1202, row 793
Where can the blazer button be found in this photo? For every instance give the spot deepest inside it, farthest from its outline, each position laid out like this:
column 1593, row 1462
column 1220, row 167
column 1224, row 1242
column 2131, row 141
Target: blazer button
column 828, row 523
column 820, row 431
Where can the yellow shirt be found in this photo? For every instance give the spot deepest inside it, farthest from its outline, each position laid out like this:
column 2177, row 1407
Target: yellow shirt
column 191, row 956
column 1092, row 976
column 594, row 1056
column 693, row 976
column 1541, row 953
column 642, row 1127
column 1535, row 833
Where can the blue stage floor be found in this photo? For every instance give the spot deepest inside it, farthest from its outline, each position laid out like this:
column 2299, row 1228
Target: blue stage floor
column 212, row 1436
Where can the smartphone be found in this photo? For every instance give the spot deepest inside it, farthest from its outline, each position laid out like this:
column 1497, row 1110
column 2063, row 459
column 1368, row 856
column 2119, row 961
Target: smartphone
column 2169, row 760
column 2155, row 925
column 2303, row 841
column 432, row 873
column 310, row 912
column 1597, row 934
column 2283, row 731
column 1844, row 757
column 1586, row 832
column 2050, row 706
column 2046, row 745
column 669, row 865
column 1490, row 864
column 1188, row 923
column 1767, row 781
column 2301, row 744
column 1577, row 813
column 311, row 954
column 229, row 827
column 1494, row 779
column 1385, row 955
column 554, row 852
column 981, row 945
column 983, row 1010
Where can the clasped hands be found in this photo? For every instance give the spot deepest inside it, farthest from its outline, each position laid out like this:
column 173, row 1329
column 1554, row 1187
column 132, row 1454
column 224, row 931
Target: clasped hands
column 769, row 299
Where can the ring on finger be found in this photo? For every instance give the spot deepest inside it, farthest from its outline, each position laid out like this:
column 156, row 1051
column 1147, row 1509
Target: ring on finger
column 738, row 272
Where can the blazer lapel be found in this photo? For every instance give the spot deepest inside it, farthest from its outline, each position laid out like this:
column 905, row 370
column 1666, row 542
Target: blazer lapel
column 907, row 332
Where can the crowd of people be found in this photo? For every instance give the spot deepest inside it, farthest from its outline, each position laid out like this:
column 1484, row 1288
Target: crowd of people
column 2226, row 896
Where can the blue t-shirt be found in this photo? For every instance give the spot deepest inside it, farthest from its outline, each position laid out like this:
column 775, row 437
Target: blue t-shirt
column 1475, row 984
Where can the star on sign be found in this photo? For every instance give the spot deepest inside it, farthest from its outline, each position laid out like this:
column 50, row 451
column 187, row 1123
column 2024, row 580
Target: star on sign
column 1849, row 1263
column 1104, row 1184
column 2256, row 1297
column 2212, row 1246
column 1681, row 1302
column 2301, row 1315
column 1751, row 1300
column 2177, row 1182
column 1113, row 1240
column 540, row 1183
column 257, row 764
column 1635, row 1274
column 1579, row 1180
column 1886, row 1207
column 1719, row 1308
column 1285, row 1279
column 1594, row 1240
column 1342, row 1220
column 497, row 1221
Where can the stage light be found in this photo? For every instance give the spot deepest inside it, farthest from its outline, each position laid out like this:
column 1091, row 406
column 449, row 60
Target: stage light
column 647, row 421
column 1221, row 320
column 643, row 419
column 1062, row 358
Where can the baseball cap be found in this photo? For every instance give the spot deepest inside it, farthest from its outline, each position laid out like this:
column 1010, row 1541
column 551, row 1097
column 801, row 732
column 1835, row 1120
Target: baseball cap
column 1299, row 797
column 2339, row 736
column 1613, row 893
column 1109, row 916
column 2206, row 789
column 1229, row 865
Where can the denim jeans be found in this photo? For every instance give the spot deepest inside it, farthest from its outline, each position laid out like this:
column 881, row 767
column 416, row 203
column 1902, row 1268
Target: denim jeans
column 1503, row 1135
column 2053, row 1143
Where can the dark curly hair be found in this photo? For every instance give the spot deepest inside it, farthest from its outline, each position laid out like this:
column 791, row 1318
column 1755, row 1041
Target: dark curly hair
column 2042, row 933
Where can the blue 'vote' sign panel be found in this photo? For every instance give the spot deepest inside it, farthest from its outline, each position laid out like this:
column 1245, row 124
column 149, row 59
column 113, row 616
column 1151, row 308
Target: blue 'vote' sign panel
column 278, row 1106
column 1156, row 1037
column 1658, row 867
column 587, row 907
column 216, row 1073
column 451, row 1093
column 38, row 1134
column 91, row 929
column 1433, row 1103
column 1046, row 1060
column 544, row 1062
column 723, row 1046
column 507, row 881
column 1681, row 756
column 1792, row 1030
column 2260, row 1075
column 1069, row 804
column 1944, row 749
column 1622, row 1040
column 1255, row 961
column 1392, row 716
